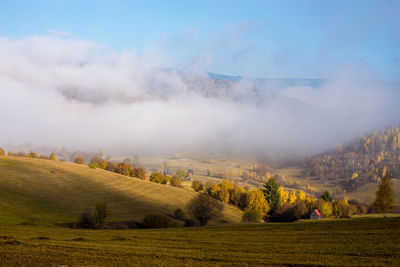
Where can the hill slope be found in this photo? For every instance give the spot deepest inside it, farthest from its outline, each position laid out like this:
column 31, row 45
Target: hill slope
column 57, row 192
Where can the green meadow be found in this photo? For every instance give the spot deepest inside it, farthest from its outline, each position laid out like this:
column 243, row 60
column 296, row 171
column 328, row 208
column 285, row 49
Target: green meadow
column 345, row 242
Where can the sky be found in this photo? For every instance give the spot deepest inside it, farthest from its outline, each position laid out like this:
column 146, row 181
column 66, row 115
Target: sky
column 273, row 39
column 90, row 75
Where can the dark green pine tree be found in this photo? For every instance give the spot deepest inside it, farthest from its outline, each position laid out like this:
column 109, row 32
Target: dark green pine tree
column 384, row 200
column 272, row 194
column 326, row 196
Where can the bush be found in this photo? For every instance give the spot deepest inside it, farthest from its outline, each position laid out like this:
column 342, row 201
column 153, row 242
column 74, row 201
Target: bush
column 80, row 160
column 324, row 207
column 157, row 177
column 87, row 220
column 179, row 214
column 101, row 212
column 256, row 201
column 33, row 155
column 197, row 186
column 98, row 163
column 20, row 154
column 175, row 180
column 251, row 216
column 204, row 208
column 300, row 210
column 2, row 152
column 191, row 223
column 158, row 221
column 341, row 208
column 9, row 153
column 284, row 213
column 139, row 172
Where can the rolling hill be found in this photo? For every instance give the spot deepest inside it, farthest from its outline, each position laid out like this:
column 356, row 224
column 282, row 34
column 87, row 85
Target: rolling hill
column 57, row 192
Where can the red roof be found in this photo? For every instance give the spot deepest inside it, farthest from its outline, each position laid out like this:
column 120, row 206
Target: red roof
column 317, row 212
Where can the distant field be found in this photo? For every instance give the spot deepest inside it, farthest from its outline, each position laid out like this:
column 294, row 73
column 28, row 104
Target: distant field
column 353, row 242
column 58, row 192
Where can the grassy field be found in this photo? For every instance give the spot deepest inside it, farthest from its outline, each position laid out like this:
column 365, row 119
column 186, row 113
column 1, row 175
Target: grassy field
column 58, row 192
column 352, row 242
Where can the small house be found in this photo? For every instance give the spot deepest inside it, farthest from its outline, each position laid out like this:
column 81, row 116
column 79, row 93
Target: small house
column 315, row 215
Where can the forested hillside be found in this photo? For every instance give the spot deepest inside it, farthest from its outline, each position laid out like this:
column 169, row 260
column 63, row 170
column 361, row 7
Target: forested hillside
column 358, row 162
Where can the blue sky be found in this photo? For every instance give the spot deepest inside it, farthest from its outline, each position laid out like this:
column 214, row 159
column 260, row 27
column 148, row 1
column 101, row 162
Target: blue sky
column 304, row 39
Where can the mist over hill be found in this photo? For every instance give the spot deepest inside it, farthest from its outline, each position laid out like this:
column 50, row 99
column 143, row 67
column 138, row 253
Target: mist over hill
column 83, row 96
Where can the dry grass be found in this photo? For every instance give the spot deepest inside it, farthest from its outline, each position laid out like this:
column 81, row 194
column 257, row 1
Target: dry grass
column 57, row 192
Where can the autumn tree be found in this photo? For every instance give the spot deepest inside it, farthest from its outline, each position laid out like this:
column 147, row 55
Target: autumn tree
column 272, row 194
column 157, row 177
column 2, row 153
column 79, row 160
column 204, row 208
column 175, row 180
column 197, row 186
column 53, row 156
column 32, row 154
column 139, row 172
column 256, row 202
column 384, row 200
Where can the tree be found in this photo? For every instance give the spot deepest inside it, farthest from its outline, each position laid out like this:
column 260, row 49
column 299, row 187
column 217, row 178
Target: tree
column 98, row 163
column 32, row 154
column 326, row 196
column 2, row 153
column 272, row 194
column 101, row 212
column 341, row 208
column 256, row 201
column 139, row 172
column 204, row 208
column 197, row 186
column 179, row 214
column 53, row 156
column 384, row 200
column 79, row 160
column 174, row 180
column 324, row 207
column 157, row 177
column 221, row 191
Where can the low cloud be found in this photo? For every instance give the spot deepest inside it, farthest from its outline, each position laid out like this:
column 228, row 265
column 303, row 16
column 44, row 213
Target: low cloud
column 84, row 96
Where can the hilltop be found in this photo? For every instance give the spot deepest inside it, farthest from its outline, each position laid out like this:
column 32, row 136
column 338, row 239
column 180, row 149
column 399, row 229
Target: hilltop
column 57, row 192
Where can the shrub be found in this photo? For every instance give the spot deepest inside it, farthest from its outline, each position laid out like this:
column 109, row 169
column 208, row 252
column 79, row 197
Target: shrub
column 101, row 212
column 300, row 210
column 157, row 177
column 341, row 208
column 175, row 180
column 124, row 169
column 87, row 220
column 284, row 213
column 324, row 207
column 92, row 165
column 99, row 163
column 197, row 186
column 20, row 154
column 2, row 152
column 158, row 221
column 139, row 172
column 9, row 153
column 32, row 154
column 191, row 223
column 251, row 216
column 204, row 208
column 235, row 194
column 179, row 214
column 53, row 156
column 80, row 160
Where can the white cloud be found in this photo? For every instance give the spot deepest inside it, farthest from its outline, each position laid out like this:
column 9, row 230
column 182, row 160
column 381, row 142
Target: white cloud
column 84, row 96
